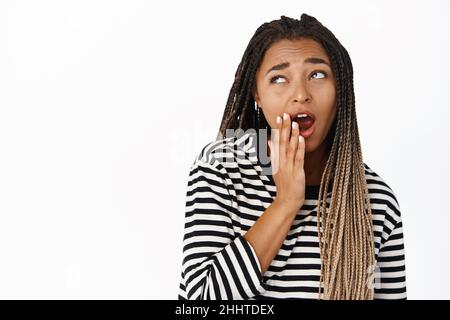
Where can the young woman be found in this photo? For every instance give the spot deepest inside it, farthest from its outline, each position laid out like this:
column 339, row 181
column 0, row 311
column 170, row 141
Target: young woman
column 321, row 224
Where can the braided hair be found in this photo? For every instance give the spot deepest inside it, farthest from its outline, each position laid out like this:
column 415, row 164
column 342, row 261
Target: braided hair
column 345, row 228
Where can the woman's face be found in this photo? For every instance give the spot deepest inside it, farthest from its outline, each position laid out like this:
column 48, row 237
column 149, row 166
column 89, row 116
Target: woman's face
column 288, row 80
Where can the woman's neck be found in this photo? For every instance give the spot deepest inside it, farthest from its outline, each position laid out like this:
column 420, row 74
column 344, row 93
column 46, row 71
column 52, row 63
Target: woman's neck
column 315, row 163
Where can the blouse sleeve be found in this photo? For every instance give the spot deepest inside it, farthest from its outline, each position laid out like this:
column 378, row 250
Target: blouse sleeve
column 390, row 276
column 218, row 263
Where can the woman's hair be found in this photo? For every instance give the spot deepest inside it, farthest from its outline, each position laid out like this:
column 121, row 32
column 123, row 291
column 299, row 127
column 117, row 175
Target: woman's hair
column 345, row 229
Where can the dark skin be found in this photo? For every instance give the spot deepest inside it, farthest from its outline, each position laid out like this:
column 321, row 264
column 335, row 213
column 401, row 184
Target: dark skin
column 298, row 87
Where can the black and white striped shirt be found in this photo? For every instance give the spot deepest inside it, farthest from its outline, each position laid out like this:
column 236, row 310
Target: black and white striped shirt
column 226, row 194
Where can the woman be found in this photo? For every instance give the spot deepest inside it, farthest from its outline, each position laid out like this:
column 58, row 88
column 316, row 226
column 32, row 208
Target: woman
column 321, row 224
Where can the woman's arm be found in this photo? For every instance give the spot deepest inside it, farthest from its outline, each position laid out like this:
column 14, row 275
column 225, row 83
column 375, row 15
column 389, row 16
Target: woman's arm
column 390, row 274
column 287, row 151
column 217, row 262
column 268, row 233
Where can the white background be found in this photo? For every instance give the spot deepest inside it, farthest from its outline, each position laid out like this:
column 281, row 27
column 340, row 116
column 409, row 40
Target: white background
column 105, row 104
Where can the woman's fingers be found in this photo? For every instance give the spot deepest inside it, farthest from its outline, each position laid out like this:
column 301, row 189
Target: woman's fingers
column 273, row 157
column 287, row 146
column 287, row 150
column 293, row 144
column 275, row 146
column 300, row 154
column 284, row 138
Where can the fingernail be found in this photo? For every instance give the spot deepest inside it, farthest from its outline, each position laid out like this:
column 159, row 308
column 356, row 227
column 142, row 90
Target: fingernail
column 278, row 119
column 294, row 125
column 300, row 138
column 285, row 116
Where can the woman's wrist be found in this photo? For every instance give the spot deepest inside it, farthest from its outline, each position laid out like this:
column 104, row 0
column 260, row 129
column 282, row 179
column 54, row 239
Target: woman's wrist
column 287, row 207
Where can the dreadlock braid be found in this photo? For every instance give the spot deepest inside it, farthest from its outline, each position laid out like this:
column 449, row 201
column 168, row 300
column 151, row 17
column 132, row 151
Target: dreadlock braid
column 344, row 224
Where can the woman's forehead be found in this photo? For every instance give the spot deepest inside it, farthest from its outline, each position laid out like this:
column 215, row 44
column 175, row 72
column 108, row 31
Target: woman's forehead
column 299, row 49
column 284, row 53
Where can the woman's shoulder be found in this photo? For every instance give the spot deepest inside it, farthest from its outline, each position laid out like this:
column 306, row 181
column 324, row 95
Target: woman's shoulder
column 381, row 194
column 226, row 150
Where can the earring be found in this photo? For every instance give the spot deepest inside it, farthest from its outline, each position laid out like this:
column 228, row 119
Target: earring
column 257, row 116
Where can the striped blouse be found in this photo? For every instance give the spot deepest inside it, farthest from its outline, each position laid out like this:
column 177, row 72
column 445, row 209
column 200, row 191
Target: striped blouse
column 226, row 193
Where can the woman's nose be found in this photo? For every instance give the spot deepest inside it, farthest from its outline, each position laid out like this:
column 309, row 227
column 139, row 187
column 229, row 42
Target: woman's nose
column 301, row 93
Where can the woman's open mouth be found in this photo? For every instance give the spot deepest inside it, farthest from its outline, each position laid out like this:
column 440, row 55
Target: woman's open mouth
column 306, row 125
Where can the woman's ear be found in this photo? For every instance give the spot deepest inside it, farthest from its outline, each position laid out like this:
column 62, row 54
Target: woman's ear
column 256, row 97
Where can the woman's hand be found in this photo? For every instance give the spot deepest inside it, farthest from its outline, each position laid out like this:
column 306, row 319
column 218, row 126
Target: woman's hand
column 287, row 159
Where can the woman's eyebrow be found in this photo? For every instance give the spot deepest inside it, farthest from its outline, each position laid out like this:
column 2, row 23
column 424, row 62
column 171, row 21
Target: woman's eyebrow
column 279, row 66
column 316, row 60
column 284, row 65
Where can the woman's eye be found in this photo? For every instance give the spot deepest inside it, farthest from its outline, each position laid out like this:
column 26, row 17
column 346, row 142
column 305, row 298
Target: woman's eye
column 276, row 78
column 316, row 72
column 273, row 79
